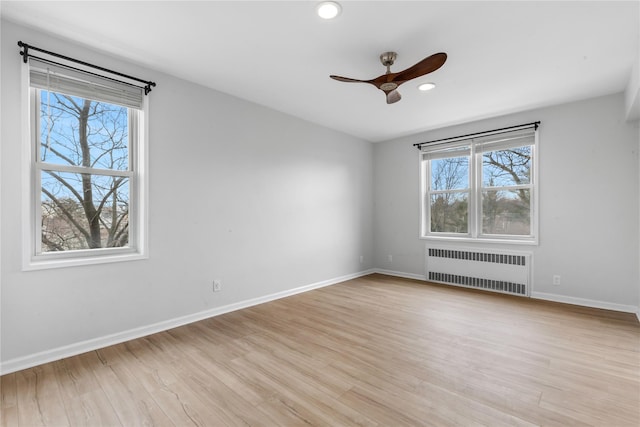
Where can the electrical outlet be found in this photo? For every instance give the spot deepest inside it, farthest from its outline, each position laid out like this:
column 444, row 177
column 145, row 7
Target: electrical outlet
column 217, row 285
column 361, row 259
column 390, row 258
column 556, row 279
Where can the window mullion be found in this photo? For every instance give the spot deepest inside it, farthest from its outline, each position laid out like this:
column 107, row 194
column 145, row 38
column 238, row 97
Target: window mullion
column 476, row 197
column 82, row 170
column 458, row 190
column 508, row 187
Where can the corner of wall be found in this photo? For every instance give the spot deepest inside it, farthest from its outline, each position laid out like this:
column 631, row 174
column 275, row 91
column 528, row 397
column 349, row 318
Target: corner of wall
column 632, row 94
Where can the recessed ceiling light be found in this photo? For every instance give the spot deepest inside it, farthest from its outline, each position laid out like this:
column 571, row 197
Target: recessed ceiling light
column 426, row 86
column 328, row 9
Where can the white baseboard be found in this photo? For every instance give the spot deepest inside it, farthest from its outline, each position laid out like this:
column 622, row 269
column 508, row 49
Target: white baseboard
column 586, row 302
column 400, row 274
column 32, row 360
column 541, row 295
column 52, row 355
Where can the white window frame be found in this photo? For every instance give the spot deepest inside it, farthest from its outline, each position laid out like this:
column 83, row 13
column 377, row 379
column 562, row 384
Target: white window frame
column 474, row 233
column 32, row 258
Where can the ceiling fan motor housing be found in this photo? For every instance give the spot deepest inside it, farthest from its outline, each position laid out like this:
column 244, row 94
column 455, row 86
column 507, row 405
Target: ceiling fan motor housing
column 388, row 58
column 388, row 86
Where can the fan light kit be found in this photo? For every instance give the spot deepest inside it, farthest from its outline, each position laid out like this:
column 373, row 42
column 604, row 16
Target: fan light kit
column 389, row 82
column 426, row 86
column 328, row 9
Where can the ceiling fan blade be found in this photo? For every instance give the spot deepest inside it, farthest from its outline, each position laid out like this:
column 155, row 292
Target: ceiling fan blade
column 389, row 82
column 393, row 96
column 426, row 66
column 348, row 80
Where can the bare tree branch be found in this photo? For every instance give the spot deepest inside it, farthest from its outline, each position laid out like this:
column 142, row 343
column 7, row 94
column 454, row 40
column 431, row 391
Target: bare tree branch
column 66, row 213
column 89, row 133
column 66, row 184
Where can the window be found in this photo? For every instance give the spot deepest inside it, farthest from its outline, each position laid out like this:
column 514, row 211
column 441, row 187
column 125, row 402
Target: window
column 481, row 187
column 86, row 161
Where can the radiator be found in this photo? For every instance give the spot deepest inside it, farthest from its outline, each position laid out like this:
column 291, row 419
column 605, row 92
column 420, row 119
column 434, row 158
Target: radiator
column 492, row 270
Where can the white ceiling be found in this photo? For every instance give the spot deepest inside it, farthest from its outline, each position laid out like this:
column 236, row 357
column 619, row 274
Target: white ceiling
column 503, row 56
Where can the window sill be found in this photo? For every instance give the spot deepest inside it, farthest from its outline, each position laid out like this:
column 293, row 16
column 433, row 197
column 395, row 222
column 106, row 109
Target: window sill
column 503, row 241
column 45, row 262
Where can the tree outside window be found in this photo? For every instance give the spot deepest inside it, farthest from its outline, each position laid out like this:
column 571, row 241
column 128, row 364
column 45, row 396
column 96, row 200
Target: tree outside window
column 85, row 173
column 506, row 192
column 449, row 202
column 480, row 188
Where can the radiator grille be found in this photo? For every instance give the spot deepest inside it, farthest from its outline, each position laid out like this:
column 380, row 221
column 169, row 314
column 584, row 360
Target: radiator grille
column 497, row 271
column 478, row 256
column 478, row 282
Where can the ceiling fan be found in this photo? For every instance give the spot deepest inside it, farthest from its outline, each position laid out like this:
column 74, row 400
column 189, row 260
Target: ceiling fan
column 389, row 82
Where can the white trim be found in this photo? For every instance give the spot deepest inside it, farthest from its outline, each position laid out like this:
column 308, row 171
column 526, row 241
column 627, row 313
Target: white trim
column 1, row 210
column 585, row 302
column 141, row 180
column 28, row 214
column 74, row 349
column 32, row 258
column 36, row 359
column 44, row 166
column 74, row 258
column 538, row 295
column 400, row 274
column 500, row 240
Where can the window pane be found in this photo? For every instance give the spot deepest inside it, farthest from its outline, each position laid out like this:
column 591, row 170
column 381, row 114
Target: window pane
column 506, row 212
column 449, row 212
column 503, row 168
column 80, row 132
column 451, row 173
column 84, row 211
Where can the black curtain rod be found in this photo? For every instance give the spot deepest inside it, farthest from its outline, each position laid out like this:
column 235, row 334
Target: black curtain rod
column 69, row 67
column 25, row 56
column 495, row 131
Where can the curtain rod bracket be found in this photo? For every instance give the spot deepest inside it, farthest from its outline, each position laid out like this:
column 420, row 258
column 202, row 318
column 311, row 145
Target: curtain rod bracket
column 25, row 53
column 147, row 88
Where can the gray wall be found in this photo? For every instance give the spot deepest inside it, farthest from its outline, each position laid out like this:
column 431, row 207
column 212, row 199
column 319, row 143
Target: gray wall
column 264, row 201
column 269, row 203
column 588, row 202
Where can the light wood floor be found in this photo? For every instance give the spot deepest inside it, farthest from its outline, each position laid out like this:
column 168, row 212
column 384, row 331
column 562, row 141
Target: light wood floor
column 373, row 351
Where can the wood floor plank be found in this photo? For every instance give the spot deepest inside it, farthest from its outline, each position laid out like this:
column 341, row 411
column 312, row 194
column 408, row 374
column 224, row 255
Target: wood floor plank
column 323, row 395
column 128, row 397
column 42, row 405
column 82, row 396
column 373, row 351
column 231, row 407
column 8, row 400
